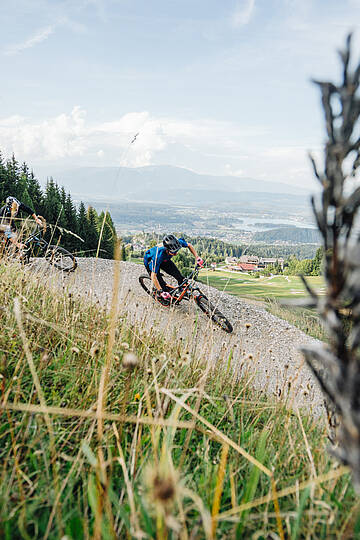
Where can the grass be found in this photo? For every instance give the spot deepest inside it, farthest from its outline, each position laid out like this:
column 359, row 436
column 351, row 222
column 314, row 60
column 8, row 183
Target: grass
column 110, row 432
column 273, row 292
column 247, row 286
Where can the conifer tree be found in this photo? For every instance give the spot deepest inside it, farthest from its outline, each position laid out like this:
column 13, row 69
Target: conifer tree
column 93, row 232
column 3, row 180
column 57, row 207
column 35, row 193
column 83, row 229
column 52, row 202
column 22, row 191
column 12, row 169
column 108, row 236
column 73, row 243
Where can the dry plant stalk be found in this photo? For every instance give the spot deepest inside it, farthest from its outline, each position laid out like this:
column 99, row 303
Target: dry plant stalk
column 219, row 488
column 337, row 365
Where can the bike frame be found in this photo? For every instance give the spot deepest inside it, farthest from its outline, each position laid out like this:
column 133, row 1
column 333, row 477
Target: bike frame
column 36, row 239
column 186, row 287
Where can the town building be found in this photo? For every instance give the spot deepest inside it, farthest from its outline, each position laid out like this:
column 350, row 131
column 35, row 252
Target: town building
column 252, row 263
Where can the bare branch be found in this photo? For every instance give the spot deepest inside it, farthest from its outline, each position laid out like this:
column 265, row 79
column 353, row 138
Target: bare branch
column 337, row 367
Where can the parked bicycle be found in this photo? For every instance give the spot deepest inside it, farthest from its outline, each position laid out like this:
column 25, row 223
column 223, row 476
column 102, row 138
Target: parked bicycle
column 188, row 290
column 36, row 246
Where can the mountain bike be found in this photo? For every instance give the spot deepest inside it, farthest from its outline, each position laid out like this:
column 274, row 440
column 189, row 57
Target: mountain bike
column 188, row 290
column 36, row 246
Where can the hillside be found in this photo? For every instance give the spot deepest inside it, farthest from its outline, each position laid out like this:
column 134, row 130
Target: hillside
column 289, row 235
column 261, row 345
column 133, row 182
column 148, row 425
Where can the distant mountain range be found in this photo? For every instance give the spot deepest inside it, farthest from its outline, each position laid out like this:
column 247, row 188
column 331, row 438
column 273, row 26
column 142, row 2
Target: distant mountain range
column 159, row 183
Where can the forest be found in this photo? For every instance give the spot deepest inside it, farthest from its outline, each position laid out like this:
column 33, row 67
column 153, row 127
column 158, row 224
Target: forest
column 215, row 250
column 299, row 235
column 76, row 228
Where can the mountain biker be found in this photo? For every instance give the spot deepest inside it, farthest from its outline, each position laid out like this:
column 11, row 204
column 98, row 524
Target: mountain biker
column 8, row 213
column 159, row 258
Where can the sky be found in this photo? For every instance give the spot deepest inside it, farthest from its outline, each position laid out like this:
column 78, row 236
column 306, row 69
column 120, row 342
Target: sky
column 218, row 87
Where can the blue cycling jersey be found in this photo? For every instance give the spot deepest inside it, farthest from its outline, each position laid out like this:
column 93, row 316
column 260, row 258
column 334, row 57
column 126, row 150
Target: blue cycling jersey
column 155, row 256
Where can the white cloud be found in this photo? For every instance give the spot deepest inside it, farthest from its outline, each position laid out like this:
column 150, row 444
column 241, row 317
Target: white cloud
column 243, row 13
column 40, row 36
column 203, row 145
column 71, row 134
column 58, row 137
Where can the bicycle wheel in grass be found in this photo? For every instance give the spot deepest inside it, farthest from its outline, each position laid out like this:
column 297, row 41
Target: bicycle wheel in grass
column 146, row 283
column 61, row 258
column 213, row 313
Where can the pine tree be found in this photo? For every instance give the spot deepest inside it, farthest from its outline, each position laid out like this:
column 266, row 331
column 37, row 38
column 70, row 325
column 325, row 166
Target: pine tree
column 108, row 236
column 82, row 229
column 13, row 175
column 35, row 193
column 58, row 209
column 73, row 243
column 93, row 231
column 62, row 219
column 3, row 180
column 23, row 193
column 317, row 262
column 52, row 202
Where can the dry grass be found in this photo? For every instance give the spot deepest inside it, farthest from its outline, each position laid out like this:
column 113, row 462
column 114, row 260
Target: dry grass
column 95, row 443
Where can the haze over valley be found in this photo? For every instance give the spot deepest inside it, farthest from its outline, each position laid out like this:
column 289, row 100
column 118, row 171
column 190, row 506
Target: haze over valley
column 163, row 198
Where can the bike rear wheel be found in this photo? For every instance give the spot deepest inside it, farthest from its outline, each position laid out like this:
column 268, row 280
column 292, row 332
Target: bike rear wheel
column 147, row 285
column 61, row 258
column 213, row 313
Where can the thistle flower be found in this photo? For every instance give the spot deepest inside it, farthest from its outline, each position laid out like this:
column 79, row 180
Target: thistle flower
column 130, row 361
column 161, row 484
column 95, row 349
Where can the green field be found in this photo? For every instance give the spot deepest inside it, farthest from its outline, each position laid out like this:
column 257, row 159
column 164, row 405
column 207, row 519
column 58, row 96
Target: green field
column 247, row 286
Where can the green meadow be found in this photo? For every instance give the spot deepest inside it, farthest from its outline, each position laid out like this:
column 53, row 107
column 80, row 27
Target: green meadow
column 248, row 286
column 274, row 292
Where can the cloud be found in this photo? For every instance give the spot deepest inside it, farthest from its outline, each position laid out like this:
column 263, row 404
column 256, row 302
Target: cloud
column 71, row 134
column 204, row 145
column 243, row 13
column 39, row 37
column 52, row 139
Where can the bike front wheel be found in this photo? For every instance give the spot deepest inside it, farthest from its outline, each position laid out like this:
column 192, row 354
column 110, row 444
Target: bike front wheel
column 61, row 258
column 213, row 313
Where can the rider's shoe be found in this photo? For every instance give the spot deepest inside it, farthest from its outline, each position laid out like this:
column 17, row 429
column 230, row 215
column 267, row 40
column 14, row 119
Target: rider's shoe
column 161, row 300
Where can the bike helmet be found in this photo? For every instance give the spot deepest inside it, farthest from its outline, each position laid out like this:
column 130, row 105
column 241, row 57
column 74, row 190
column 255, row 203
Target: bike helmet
column 171, row 243
column 10, row 201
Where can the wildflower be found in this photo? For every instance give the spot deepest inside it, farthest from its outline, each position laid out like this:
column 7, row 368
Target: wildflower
column 164, row 489
column 137, row 397
column 130, row 361
column 95, row 349
column 161, row 484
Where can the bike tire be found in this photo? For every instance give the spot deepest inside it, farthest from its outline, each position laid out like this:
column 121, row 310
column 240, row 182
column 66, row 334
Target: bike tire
column 146, row 283
column 61, row 258
column 213, row 313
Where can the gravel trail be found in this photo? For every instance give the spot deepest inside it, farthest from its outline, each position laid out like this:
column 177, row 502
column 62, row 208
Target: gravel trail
column 262, row 346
